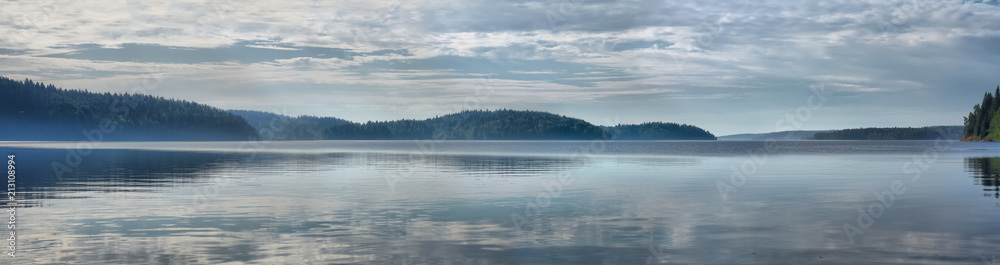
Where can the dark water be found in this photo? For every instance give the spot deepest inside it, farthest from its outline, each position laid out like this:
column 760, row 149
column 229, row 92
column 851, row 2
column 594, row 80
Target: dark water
column 481, row 202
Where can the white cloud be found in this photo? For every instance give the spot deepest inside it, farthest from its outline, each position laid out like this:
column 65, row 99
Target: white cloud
column 710, row 53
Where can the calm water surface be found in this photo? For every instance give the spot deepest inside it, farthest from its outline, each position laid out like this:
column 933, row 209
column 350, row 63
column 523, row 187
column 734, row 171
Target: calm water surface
column 483, row 202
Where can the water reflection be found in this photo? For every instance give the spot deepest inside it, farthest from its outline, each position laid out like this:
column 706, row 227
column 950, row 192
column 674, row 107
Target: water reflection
column 124, row 171
column 132, row 207
column 46, row 174
column 986, row 171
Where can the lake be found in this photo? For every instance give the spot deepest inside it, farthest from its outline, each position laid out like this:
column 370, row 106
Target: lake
column 507, row 202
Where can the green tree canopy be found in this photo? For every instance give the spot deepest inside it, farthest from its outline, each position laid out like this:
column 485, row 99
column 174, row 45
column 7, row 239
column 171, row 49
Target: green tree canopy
column 508, row 124
column 34, row 111
column 980, row 125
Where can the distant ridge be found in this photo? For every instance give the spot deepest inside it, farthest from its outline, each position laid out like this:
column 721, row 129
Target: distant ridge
column 273, row 126
column 886, row 133
column 33, row 111
column 895, row 133
column 505, row 124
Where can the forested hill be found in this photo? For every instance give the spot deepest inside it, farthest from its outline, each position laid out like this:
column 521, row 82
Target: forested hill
column 983, row 123
column 35, row 111
column 658, row 131
column 31, row 111
column 925, row 133
column 510, row 125
column 281, row 127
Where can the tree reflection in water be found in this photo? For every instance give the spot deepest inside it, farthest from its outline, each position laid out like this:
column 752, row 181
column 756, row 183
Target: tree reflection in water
column 986, row 171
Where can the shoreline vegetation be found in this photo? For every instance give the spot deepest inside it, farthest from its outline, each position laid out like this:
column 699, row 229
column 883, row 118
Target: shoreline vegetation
column 871, row 133
column 38, row 112
column 983, row 123
column 976, row 139
column 500, row 124
column 33, row 111
column 893, row 133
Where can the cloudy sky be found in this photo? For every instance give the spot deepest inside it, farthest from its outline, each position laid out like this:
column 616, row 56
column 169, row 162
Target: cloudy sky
column 727, row 66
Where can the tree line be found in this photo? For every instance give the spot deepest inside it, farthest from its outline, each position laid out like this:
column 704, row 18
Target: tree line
column 506, row 124
column 983, row 123
column 893, row 133
column 658, row 131
column 283, row 127
column 32, row 110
